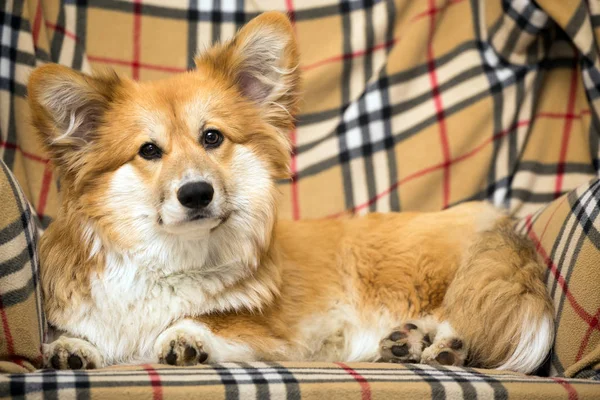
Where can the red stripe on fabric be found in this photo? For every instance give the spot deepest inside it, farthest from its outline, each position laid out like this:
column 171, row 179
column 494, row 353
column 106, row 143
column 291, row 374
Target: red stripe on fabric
column 586, row 337
column 157, row 392
column 365, row 388
column 64, row 31
column 358, row 53
column 434, row 10
column 137, row 29
column 437, row 100
column 294, row 184
column 566, row 132
column 568, row 387
column 37, row 23
column 106, row 60
column 46, row 181
column 584, row 315
column 289, row 4
column 10, row 347
column 30, row 156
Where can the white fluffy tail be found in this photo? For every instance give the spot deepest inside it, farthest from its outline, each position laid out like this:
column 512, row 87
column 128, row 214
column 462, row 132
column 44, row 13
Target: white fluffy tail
column 537, row 337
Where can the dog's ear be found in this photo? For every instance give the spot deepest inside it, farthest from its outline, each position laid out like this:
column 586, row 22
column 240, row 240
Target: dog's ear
column 262, row 60
column 67, row 107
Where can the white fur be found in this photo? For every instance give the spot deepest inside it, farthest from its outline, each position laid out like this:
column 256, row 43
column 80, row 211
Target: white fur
column 161, row 277
column 537, row 336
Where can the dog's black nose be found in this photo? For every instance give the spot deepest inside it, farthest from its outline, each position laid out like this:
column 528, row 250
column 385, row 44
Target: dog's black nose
column 195, row 194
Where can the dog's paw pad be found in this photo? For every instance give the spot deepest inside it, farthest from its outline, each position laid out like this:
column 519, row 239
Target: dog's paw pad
column 404, row 344
column 448, row 351
column 71, row 353
column 182, row 350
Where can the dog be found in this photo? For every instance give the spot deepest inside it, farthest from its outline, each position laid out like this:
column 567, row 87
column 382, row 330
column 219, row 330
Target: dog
column 167, row 247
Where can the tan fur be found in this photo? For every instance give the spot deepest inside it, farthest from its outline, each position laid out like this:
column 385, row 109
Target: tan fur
column 464, row 265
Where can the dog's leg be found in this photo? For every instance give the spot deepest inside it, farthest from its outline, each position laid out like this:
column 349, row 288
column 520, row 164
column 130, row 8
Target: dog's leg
column 71, row 353
column 194, row 341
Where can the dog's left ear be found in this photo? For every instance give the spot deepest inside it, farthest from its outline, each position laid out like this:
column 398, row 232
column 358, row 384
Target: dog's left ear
column 262, row 60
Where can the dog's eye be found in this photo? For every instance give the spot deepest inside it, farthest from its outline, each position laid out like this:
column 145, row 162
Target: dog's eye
column 150, row 151
column 212, row 138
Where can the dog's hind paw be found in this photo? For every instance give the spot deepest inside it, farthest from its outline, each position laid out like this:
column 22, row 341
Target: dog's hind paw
column 404, row 345
column 71, row 353
column 447, row 348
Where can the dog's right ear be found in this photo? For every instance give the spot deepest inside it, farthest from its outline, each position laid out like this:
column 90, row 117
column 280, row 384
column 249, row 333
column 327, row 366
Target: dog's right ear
column 67, row 107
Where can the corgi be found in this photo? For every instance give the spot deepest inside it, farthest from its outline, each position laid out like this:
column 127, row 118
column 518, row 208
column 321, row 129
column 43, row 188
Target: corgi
column 167, row 247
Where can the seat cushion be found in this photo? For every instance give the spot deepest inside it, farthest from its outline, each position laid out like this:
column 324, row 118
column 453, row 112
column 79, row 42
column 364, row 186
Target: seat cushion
column 567, row 235
column 294, row 380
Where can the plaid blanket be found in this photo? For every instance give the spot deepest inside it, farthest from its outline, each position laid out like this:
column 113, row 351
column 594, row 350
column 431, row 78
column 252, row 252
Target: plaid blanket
column 409, row 105
column 294, row 381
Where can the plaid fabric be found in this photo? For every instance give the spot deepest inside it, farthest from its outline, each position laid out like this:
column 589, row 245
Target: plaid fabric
column 568, row 239
column 294, row 381
column 20, row 300
column 408, row 104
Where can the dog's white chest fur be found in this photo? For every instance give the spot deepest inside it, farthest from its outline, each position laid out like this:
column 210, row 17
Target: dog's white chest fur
column 136, row 298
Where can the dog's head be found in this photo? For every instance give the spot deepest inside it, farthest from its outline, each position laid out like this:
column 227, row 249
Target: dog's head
column 182, row 156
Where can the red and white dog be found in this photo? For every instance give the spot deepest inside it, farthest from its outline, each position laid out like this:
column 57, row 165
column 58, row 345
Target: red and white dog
column 167, row 247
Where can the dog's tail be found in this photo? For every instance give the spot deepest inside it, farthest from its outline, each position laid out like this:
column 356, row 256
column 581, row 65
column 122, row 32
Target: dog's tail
column 499, row 304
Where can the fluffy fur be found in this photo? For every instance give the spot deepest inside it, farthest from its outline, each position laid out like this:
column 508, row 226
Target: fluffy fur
column 128, row 275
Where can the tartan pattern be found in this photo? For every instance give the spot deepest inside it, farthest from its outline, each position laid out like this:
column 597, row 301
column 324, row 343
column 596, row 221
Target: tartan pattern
column 567, row 236
column 20, row 297
column 407, row 105
column 294, row 381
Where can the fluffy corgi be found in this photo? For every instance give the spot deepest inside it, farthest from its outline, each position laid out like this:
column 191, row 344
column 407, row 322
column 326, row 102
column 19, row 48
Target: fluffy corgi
column 167, row 247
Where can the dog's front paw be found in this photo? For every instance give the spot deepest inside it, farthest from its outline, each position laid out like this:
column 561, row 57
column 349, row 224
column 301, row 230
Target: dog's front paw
column 179, row 346
column 445, row 351
column 404, row 344
column 71, row 353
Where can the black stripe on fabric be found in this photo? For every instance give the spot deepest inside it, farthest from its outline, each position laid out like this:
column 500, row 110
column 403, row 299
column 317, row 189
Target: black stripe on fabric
column 465, row 383
column 342, row 158
column 363, row 120
column 577, row 20
column 15, row 264
column 383, row 87
column 261, row 385
column 17, row 89
column 232, row 392
column 292, row 386
column 192, row 32
column 500, row 392
column 12, row 230
column 216, row 19
column 15, row 26
column 80, row 32
column 437, row 388
column 58, row 36
column 588, row 221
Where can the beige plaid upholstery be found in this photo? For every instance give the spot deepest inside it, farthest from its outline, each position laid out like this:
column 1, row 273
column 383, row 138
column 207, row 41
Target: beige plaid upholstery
column 408, row 105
